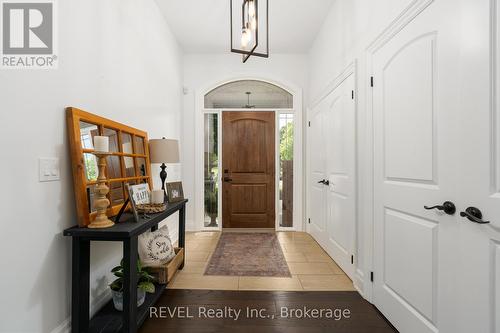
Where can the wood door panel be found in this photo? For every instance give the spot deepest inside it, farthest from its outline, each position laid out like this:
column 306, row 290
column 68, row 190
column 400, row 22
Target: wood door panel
column 248, row 162
column 249, row 221
column 253, row 198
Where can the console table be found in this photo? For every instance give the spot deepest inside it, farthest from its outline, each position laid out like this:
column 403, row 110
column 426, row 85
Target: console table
column 127, row 232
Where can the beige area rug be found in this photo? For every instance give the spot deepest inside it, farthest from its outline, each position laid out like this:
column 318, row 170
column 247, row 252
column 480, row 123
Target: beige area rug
column 248, row 254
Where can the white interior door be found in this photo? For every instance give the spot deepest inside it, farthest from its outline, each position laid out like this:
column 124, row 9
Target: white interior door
column 340, row 127
column 317, row 201
column 333, row 197
column 414, row 110
column 479, row 165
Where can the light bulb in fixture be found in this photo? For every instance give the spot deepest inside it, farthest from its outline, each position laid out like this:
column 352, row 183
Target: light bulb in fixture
column 246, row 37
column 251, row 8
column 253, row 23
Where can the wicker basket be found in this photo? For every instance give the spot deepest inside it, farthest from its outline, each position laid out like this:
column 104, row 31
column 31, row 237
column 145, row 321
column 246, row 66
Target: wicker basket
column 165, row 273
column 151, row 208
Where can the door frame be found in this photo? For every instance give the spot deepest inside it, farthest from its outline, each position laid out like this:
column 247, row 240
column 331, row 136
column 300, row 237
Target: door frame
column 298, row 165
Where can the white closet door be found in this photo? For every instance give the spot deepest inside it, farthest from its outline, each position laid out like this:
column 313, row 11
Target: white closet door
column 479, row 165
column 333, row 197
column 414, row 110
column 340, row 122
column 317, row 149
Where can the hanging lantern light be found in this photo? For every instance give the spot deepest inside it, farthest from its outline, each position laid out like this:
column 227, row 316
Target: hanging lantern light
column 254, row 28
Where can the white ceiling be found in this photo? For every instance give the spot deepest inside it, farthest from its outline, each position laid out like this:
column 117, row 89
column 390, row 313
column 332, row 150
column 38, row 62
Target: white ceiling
column 202, row 26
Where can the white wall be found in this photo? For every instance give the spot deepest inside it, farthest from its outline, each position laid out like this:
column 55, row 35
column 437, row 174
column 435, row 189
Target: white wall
column 348, row 30
column 118, row 59
column 203, row 70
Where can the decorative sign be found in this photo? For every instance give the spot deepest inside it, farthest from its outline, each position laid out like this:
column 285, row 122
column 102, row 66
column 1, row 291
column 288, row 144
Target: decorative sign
column 141, row 194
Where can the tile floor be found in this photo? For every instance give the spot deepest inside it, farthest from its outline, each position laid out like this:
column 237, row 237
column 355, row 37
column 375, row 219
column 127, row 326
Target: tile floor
column 311, row 268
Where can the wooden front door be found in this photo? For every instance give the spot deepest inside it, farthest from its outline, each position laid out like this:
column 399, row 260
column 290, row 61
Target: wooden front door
column 248, row 165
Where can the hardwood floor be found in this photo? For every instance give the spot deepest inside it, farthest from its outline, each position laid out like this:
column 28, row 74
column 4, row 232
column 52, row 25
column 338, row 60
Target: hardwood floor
column 310, row 266
column 350, row 313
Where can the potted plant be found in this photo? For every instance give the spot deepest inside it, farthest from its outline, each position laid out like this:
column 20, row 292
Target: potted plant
column 211, row 207
column 144, row 285
column 211, row 193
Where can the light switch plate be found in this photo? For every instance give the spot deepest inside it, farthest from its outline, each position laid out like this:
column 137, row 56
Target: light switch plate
column 49, row 169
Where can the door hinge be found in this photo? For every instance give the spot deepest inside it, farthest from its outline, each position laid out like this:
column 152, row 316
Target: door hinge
column 371, row 81
column 371, row 276
column 352, row 94
column 352, row 259
column 309, row 124
column 309, row 220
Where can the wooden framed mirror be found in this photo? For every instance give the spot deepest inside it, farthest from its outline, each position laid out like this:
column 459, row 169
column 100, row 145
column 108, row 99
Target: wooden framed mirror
column 128, row 161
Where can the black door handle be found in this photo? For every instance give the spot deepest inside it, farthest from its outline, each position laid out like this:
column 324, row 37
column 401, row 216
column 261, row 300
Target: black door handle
column 474, row 215
column 324, row 182
column 448, row 207
column 227, row 179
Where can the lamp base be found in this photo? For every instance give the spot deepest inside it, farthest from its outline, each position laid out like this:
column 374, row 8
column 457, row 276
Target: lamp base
column 163, row 177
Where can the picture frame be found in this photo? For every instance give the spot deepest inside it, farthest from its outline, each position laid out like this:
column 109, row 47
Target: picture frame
column 133, row 207
column 140, row 194
column 175, row 192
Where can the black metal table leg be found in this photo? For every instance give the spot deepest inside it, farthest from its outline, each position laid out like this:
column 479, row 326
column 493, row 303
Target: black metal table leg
column 130, row 285
column 80, row 285
column 182, row 232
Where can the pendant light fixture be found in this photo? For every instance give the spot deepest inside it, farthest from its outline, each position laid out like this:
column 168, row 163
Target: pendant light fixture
column 252, row 30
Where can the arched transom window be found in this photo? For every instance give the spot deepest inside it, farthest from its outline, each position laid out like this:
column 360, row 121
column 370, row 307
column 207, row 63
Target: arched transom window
column 248, row 94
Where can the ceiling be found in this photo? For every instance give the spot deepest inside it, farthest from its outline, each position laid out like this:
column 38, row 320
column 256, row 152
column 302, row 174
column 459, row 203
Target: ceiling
column 202, row 26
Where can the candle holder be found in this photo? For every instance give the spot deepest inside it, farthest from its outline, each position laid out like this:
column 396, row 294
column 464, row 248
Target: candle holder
column 101, row 202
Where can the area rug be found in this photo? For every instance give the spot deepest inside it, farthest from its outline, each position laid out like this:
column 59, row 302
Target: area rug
column 248, row 254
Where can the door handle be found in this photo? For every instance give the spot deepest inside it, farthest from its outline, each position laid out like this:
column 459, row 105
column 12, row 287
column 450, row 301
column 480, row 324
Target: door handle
column 324, row 182
column 474, row 214
column 448, row 207
column 227, row 179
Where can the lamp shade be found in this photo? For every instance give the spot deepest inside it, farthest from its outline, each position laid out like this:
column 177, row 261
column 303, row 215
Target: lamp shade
column 164, row 151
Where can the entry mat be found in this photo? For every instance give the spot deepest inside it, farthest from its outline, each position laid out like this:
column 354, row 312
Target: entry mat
column 248, row 254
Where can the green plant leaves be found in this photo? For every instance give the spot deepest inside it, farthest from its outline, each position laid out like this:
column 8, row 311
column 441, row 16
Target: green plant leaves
column 116, row 269
column 144, row 279
column 117, row 285
column 118, row 274
column 148, row 287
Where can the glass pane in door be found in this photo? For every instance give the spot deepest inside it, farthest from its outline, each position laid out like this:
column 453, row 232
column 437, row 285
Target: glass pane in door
column 286, row 129
column 211, row 170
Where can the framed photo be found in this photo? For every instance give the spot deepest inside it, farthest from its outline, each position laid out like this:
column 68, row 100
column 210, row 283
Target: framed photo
column 175, row 192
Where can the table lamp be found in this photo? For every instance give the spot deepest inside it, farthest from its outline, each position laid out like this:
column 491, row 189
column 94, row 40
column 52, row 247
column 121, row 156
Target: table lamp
column 164, row 151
